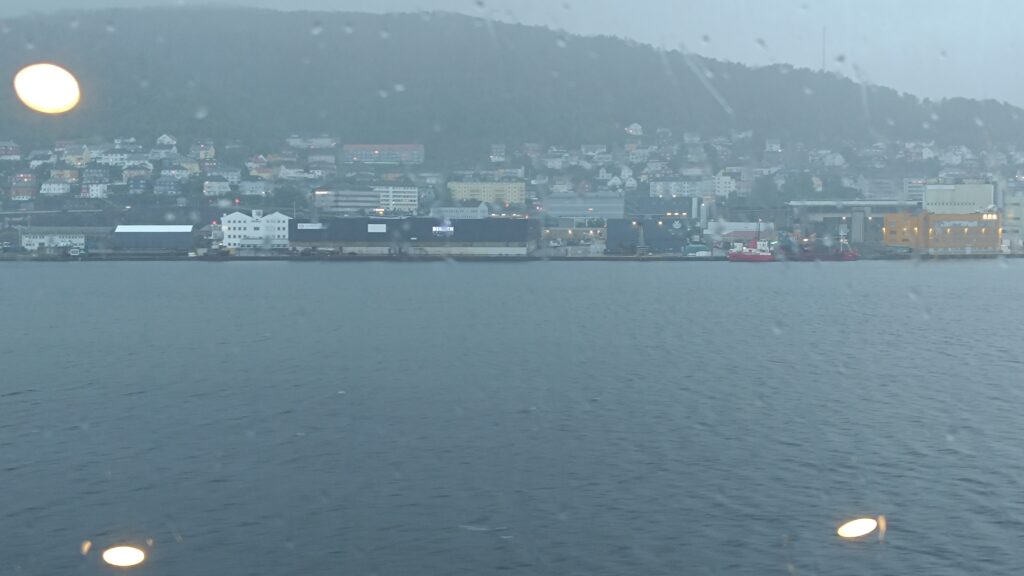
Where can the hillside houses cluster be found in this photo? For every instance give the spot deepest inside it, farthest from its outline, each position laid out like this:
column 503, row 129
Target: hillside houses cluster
column 643, row 173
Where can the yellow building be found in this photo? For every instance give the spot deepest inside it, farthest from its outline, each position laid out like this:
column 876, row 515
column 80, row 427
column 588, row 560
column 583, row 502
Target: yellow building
column 944, row 233
column 494, row 192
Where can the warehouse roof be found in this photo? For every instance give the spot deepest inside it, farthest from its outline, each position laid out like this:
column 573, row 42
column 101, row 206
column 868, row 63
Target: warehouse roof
column 152, row 228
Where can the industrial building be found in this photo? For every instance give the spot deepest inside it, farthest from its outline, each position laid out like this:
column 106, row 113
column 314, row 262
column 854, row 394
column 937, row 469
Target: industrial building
column 417, row 236
column 478, row 212
column 162, row 239
column 54, row 239
column 929, row 233
column 958, row 198
column 647, row 235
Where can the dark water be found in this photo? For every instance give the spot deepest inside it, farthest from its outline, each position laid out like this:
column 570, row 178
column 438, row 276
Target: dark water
column 537, row 418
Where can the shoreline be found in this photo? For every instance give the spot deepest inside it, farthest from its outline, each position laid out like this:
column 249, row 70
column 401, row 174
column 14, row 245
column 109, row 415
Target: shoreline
column 469, row 258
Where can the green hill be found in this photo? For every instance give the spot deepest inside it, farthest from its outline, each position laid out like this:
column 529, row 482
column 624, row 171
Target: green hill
column 453, row 82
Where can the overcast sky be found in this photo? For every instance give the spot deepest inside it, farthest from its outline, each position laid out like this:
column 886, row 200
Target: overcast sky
column 928, row 47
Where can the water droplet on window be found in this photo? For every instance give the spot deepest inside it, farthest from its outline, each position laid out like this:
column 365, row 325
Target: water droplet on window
column 202, row 112
column 74, row 24
column 561, row 43
column 384, row 34
column 926, row 125
column 399, row 88
column 86, row 546
column 890, row 122
column 777, row 328
column 979, row 122
column 705, row 39
column 30, row 46
column 808, row 91
column 317, row 29
column 348, row 29
column 110, row 28
column 760, row 42
column 913, row 294
column 943, row 54
column 841, row 58
column 934, row 117
column 382, row 93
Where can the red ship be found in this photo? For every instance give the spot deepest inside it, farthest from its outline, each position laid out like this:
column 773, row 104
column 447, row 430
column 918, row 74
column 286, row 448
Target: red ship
column 756, row 250
column 751, row 253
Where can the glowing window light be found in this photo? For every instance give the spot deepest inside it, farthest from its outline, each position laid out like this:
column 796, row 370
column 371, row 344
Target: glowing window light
column 124, row 556
column 857, row 528
column 47, row 88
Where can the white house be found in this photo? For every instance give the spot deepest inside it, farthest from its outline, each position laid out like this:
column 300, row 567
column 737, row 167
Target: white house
column 55, row 188
column 96, row 190
column 255, row 232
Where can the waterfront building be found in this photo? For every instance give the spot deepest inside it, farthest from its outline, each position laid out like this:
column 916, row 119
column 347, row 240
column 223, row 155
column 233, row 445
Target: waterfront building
column 256, row 231
column 929, row 233
column 160, row 239
column 958, row 198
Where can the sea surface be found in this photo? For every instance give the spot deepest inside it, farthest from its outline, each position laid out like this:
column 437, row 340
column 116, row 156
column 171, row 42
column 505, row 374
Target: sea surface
column 556, row 418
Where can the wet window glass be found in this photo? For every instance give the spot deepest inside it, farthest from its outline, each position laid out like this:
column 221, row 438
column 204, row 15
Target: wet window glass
column 510, row 286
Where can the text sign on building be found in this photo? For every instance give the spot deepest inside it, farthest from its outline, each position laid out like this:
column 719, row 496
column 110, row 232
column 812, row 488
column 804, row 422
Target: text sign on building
column 376, row 228
column 444, row 229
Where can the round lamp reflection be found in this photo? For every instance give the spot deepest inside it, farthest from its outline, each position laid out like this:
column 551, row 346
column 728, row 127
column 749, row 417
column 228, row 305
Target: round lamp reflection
column 857, row 528
column 124, row 556
column 47, row 88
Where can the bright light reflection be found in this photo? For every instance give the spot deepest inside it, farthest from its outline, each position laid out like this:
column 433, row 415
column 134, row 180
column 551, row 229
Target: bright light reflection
column 47, row 88
column 124, row 556
column 857, row 528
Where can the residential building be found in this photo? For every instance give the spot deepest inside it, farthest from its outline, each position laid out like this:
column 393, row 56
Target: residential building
column 10, row 152
column 723, row 185
column 312, row 142
column 492, row 192
column 255, row 188
column 176, row 172
column 398, row 198
column 1013, row 222
column 137, row 171
column 65, row 174
column 203, row 150
column 216, row 186
column 256, row 231
column 168, row 186
column 55, row 188
column 94, row 190
column 232, row 175
column 383, row 154
column 349, row 198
